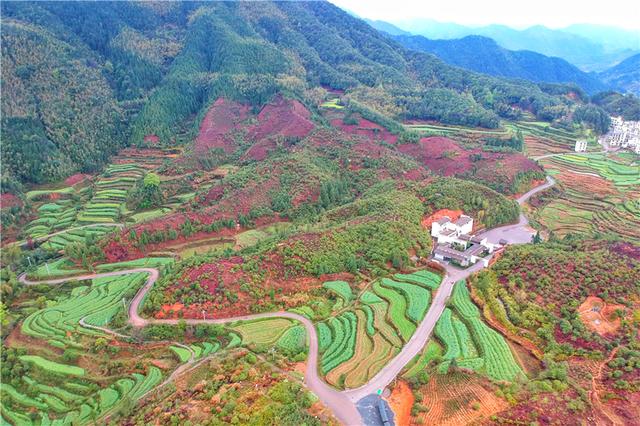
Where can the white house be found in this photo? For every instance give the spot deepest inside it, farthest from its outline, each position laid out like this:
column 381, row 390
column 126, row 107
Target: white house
column 581, row 145
column 448, row 231
column 456, row 243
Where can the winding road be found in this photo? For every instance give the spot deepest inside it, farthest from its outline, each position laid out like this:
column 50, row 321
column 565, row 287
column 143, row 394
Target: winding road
column 342, row 403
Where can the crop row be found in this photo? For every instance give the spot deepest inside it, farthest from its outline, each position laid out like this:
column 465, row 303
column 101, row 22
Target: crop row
column 418, row 298
column 343, row 338
column 423, row 278
column 499, row 362
column 397, row 310
column 70, row 406
column 341, row 288
column 97, row 304
column 264, row 332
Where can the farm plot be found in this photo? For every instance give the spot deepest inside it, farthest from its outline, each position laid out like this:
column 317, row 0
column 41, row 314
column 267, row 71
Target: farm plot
column 56, row 392
column 361, row 341
column 623, row 175
column 263, row 333
column 96, row 305
column 83, row 235
column 108, row 202
column 470, row 343
column 64, row 267
column 77, row 400
column 599, row 196
column 52, row 217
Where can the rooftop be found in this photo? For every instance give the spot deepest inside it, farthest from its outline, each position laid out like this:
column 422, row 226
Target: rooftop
column 444, row 220
column 464, row 219
column 451, row 253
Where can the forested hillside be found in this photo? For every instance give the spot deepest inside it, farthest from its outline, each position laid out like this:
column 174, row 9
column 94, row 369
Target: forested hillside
column 483, row 55
column 625, row 76
column 83, row 79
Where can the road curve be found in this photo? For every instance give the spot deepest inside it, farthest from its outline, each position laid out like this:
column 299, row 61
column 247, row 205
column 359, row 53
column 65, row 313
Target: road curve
column 341, row 403
column 341, row 406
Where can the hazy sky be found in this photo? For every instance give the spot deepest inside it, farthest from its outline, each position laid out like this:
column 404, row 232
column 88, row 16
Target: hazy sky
column 515, row 13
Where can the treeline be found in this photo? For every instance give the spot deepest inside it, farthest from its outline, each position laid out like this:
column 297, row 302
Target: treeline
column 368, row 234
column 627, row 106
column 510, row 144
column 488, row 206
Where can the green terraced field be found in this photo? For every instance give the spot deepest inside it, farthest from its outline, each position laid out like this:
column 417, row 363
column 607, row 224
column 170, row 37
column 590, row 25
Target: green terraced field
column 472, row 343
column 341, row 288
column 96, row 304
column 263, row 333
column 361, row 341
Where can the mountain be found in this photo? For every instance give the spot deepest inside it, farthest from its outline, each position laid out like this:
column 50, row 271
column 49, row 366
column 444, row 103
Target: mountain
column 582, row 46
column 83, row 79
column 612, row 38
column 625, row 76
column 386, row 27
column 483, row 55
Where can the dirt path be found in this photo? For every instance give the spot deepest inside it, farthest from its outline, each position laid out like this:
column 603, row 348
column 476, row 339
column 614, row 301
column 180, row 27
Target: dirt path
column 342, row 404
column 594, row 396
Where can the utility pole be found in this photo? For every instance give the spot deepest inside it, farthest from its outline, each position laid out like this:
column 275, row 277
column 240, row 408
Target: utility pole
column 204, row 318
column 48, row 272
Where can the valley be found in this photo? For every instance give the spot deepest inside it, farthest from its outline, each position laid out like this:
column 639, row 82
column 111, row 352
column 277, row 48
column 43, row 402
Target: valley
column 281, row 216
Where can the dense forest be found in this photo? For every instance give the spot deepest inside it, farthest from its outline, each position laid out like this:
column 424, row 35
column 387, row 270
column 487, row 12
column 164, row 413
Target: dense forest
column 83, row 79
column 482, row 54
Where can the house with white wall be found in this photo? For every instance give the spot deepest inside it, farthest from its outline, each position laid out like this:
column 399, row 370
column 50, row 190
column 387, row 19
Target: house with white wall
column 454, row 241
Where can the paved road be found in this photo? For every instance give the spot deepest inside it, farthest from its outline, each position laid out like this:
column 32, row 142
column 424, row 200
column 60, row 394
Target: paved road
column 560, row 154
column 343, row 404
column 342, row 407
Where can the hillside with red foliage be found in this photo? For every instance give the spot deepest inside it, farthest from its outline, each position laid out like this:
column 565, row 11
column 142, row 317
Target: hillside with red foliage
column 365, row 128
column 215, row 130
column 446, row 157
column 8, row 200
column 76, row 179
column 280, row 118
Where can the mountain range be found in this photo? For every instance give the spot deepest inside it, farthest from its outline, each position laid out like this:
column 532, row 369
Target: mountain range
column 625, row 76
column 484, row 55
column 589, row 47
column 81, row 80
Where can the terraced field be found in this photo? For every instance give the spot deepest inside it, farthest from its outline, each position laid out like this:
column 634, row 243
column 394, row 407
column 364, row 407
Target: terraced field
column 108, row 202
column 469, row 343
column 359, row 342
column 74, row 400
column 96, row 304
column 600, row 195
column 63, row 267
column 265, row 334
column 445, row 130
column 59, row 241
column 57, row 392
column 541, row 138
column 56, row 210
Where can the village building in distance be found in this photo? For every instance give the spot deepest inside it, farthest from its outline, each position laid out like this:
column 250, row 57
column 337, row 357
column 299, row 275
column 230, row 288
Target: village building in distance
column 623, row 134
column 455, row 242
column 581, row 145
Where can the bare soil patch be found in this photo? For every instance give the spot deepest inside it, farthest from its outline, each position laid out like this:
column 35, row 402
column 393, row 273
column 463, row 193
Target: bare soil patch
column 452, row 214
column 458, row 399
column 599, row 316
column 401, row 401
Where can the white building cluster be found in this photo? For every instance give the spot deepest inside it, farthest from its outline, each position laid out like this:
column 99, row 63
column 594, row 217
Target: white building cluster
column 456, row 243
column 625, row 134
